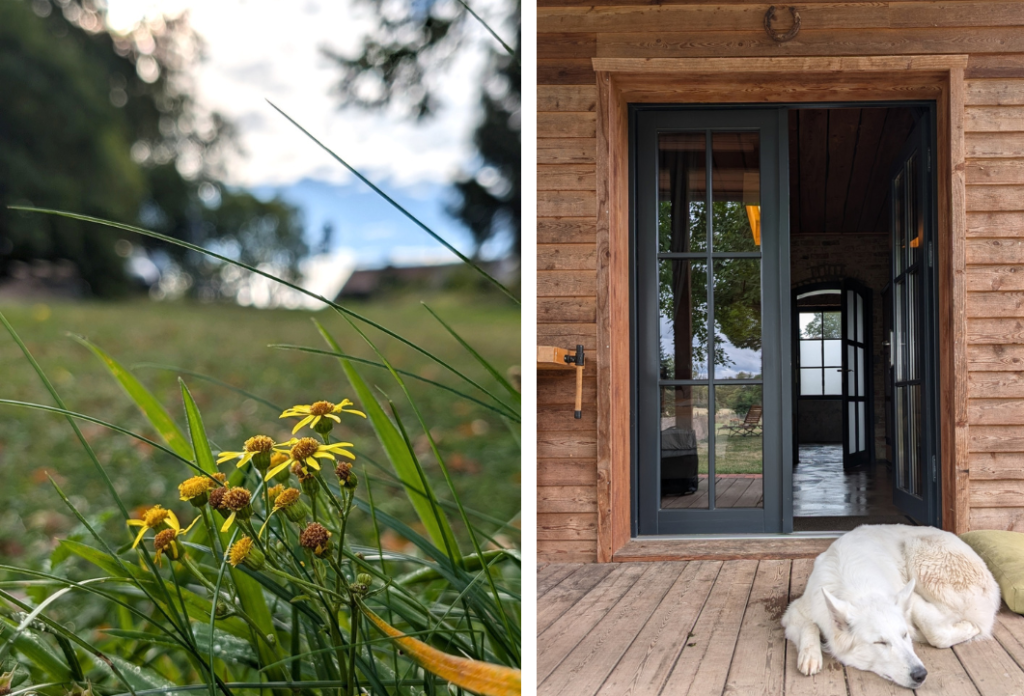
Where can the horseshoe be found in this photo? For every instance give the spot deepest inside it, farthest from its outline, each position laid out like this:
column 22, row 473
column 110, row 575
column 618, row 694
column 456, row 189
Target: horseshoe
column 775, row 36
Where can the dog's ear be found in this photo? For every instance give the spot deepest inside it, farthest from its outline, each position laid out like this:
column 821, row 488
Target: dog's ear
column 903, row 598
column 839, row 610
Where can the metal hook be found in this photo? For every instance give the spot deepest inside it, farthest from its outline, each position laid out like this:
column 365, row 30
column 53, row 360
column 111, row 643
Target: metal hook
column 775, row 36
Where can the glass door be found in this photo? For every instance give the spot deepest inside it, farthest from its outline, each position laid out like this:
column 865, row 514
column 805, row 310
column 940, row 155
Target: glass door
column 707, row 282
column 858, row 429
column 912, row 357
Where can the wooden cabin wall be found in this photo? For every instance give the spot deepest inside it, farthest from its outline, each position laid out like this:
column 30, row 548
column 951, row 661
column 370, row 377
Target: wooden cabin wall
column 571, row 32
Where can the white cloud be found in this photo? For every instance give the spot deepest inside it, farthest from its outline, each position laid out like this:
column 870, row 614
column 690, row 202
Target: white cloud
column 270, row 49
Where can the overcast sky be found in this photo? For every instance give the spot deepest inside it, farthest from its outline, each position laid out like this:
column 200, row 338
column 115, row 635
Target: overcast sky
column 270, row 49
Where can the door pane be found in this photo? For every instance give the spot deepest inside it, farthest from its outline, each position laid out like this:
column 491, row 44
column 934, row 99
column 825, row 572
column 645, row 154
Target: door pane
column 737, row 293
column 913, row 242
column 683, row 321
column 862, row 426
column 810, row 382
column 911, row 324
column 833, row 354
column 860, row 319
column 738, row 447
column 736, row 192
column 851, row 416
column 810, row 325
column 682, row 192
column 916, row 455
column 899, row 223
column 833, row 381
column 861, row 387
column 810, row 353
column 831, row 325
column 684, row 446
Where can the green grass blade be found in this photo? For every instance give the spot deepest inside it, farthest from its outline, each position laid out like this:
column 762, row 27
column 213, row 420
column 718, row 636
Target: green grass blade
column 32, row 648
column 479, row 358
column 402, row 458
column 185, row 245
column 144, row 399
column 504, row 412
column 397, row 206
column 493, row 33
column 197, row 433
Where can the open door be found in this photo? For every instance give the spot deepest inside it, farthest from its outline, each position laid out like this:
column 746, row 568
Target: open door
column 858, row 435
column 912, row 345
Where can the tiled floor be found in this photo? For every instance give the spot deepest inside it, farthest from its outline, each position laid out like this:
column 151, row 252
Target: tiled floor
column 821, row 489
column 706, row 628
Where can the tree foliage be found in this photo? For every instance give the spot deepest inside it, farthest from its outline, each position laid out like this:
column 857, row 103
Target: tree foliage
column 399, row 66
column 107, row 124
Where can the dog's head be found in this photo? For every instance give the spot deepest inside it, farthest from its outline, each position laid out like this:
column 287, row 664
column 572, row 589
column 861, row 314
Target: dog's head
column 872, row 634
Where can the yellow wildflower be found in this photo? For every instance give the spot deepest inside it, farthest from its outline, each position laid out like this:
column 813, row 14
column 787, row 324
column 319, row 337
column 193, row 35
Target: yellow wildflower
column 305, row 451
column 259, row 447
column 154, row 517
column 320, row 411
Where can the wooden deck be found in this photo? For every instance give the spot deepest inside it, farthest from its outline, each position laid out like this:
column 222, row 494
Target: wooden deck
column 713, row 627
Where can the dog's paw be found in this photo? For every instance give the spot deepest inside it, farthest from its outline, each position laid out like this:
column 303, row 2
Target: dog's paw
column 809, row 661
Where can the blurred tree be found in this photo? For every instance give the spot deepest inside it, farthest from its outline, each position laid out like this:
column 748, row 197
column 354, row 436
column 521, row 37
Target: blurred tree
column 399, row 66
column 106, row 124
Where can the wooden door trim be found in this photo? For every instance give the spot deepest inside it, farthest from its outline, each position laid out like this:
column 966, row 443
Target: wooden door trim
column 621, row 82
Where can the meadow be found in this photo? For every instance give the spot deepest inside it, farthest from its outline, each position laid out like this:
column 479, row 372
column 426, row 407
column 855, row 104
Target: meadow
column 230, row 344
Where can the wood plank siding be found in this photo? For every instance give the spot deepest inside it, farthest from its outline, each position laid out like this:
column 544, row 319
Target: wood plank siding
column 571, row 263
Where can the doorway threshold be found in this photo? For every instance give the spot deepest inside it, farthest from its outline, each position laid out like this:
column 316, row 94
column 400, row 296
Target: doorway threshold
column 725, row 547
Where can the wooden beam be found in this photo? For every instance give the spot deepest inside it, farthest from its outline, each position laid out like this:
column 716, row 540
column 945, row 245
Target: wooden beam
column 816, row 64
column 721, row 549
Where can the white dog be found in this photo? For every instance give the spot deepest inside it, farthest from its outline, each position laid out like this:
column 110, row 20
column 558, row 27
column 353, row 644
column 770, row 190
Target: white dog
column 879, row 587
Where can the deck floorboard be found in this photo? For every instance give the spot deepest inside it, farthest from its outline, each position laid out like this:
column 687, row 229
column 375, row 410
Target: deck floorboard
column 713, row 628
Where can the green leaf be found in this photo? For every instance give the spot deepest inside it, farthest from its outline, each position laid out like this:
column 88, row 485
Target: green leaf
column 32, row 647
column 141, row 677
column 144, row 399
column 407, row 467
column 198, row 607
column 200, row 443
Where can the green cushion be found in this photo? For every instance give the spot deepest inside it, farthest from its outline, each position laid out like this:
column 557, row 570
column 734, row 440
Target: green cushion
column 1003, row 553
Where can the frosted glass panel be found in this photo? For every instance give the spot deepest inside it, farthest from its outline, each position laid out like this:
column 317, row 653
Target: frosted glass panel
column 862, row 430
column 852, row 415
column 810, row 382
column 810, row 353
column 851, row 387
column 833, row 354
column 861, row 391
column 833, row 381
column 860, row 319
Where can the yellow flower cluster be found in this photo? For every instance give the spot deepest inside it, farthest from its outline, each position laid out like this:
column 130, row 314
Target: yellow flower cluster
column 297, row 455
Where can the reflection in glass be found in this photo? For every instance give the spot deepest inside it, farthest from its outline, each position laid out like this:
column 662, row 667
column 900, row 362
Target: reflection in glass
column 684, row 446
column 899, row 224
column 682, row 193
column 739, row 454
column 913, row 234
column 737, row 288
column 683, row 319
column 736, row 192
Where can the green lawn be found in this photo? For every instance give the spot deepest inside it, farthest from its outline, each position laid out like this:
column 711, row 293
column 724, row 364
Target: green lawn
column 230, row 343
column 734, row 453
